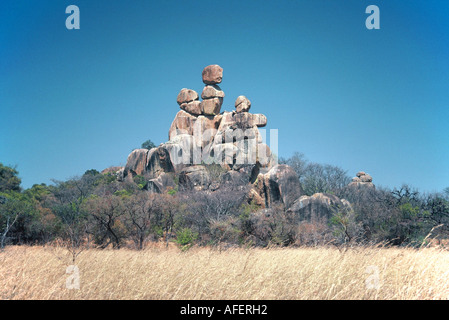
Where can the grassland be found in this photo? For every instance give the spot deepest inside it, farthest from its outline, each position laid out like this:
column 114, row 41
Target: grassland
column 204, row 273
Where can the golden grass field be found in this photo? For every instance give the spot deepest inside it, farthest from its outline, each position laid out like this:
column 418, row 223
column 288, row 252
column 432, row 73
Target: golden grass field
column 204, row 273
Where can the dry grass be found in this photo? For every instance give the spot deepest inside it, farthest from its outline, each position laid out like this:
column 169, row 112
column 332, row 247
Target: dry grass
column 201, row 273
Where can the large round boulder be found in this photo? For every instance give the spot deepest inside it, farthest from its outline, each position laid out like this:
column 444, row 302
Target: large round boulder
column 318, row 207
column 212, row 74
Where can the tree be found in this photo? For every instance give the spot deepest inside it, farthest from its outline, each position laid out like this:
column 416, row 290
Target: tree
column 9, row 180
column 92, row 172
column 298, row 163
column 105, row 212
column 168, row 206
column 12, row 207
column 148, row 145
column 140, row 209
column 315, row 177
column 446, row 193
column 67, row 203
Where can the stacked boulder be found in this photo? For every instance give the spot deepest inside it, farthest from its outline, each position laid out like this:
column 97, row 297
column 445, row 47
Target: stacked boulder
column 188, row 101
column 212, row 94
column 362, row 179
column 201, row 135
column 231, row 137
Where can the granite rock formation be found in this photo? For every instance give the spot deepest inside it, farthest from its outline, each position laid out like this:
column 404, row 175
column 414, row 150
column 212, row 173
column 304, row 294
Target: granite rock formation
column 362, row 179
column 202, row 135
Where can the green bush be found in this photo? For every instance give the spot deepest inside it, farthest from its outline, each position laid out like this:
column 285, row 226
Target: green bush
column 186, row 237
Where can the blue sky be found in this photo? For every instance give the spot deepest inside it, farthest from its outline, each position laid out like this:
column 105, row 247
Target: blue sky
column 371, row 100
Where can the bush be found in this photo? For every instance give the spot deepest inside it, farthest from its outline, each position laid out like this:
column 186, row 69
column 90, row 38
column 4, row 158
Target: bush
column 186, row 237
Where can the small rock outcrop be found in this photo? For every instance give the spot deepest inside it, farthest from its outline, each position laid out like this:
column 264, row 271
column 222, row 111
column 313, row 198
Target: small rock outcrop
column 242, row 104
column 279, row 184
column 362, row 179
column 194, row 178
column 148, row 163
column 318, row 206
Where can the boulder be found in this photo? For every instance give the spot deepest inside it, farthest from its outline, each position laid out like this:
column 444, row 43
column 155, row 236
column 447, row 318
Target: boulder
column 222, row 154
column 112, row 170
column 181, row 150
column 258, row 120
column 318, row 206
column 237, row 126
column 366, row 178
column 161, row 184
column 182, row 124
column 362, row 179
column 205, row 129
column 211, row 106
column 136, row 163
column 245, row 120
column 194, row 178
column 193, row 107
column 186, row 96
column 158, row 161
column 254, row 197
column 235, row 178
column 212, row 91
column 212, row 74
column 120, row 174
column 250, row 172
column 242, row 104
column 280, row 184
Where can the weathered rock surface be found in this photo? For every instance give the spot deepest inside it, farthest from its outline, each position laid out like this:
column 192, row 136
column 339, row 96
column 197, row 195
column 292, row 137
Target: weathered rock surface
column 279, row 184
column 193, row 107
column 194, row 178
column 161, row 184
column 242, row 174
column 242, row 104
column 186, row 96
column 158, row 161
column 212, row 74
column 212, row 91
column 112, row 170
column 136, row 163
column 318, row 206
column 211, row 106
column 180, row 149
column 362, row 179
column 182, row 124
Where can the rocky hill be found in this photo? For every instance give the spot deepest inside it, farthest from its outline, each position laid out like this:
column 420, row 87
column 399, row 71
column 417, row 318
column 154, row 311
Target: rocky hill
column 202, row 137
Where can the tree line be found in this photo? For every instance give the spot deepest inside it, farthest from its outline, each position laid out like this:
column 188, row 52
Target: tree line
column 98, row 211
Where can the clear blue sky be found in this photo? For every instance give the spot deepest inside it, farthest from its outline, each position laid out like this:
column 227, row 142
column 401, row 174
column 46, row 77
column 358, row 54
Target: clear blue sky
column 372, row 100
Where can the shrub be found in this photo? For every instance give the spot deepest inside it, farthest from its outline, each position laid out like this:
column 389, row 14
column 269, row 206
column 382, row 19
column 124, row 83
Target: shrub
column 186, row 237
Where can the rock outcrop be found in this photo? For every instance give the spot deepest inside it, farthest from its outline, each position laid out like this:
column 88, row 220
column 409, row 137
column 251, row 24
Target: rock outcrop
column 161, row 184
column 279, row 184
column 202, row 138
column 242, row 104
column 362, row 179
column 148, row 163
column 228, row 138
column 318, row 206
column 194, row 178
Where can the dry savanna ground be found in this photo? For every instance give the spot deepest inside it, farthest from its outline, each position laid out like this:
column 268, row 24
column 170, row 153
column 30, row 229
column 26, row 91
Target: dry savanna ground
column 205, row 273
